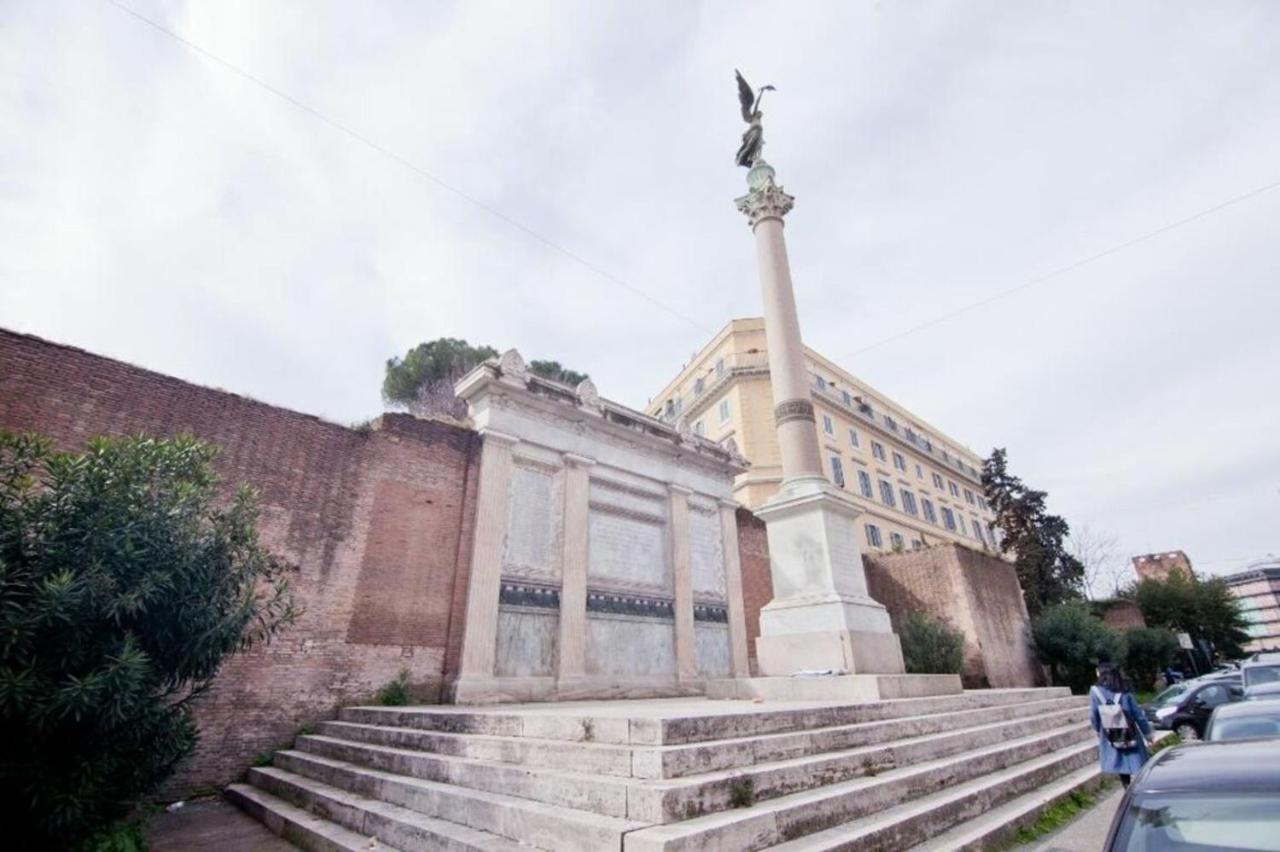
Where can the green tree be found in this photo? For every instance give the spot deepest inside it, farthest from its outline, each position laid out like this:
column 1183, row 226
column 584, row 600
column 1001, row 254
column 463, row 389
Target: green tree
column 930, row 646
column 1204, row 609
column 1071, row 641
column 423, row 379
column 126, row 579
column 1047, row 571
column 1146, row 650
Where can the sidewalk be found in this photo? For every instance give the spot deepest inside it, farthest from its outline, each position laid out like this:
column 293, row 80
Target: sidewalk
column 1086, row 833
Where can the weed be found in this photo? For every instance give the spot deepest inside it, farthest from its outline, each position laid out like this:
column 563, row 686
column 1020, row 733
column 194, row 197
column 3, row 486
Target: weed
column 395, row 693
column 1166, row 742
column 306, row 730
column 1059, row 813
column 870, row 769
column 588, row 730
column 118, row 837
column 264, row 759
column 742, row 793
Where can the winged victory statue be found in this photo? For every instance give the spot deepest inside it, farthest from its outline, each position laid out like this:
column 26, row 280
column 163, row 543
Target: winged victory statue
column 753, row 138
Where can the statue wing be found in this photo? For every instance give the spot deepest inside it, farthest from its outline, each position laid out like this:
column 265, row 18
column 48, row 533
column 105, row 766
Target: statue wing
column 745, row 96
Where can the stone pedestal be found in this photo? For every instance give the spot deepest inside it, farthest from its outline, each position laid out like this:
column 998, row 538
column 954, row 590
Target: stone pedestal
column 821, row 616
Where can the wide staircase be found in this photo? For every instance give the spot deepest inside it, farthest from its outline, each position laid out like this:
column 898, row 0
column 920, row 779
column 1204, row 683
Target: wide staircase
column 949, row 772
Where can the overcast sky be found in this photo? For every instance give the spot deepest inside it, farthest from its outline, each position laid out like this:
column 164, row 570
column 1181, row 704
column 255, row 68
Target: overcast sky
column 158, row 208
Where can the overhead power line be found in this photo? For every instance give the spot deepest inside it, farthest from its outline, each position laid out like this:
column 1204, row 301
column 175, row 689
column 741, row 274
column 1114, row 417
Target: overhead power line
column 408, row 164
column 1164, row 229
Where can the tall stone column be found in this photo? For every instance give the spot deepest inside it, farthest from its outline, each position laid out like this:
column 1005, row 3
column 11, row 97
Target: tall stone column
column 480, row 633
column 682, row 571
column 821, row 616
column 573, row 570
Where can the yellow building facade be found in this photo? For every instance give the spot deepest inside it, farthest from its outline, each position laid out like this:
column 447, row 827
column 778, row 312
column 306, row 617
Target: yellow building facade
column 915, row 485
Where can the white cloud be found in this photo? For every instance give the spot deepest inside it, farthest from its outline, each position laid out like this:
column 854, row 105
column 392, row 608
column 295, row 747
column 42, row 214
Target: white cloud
column 158, row 208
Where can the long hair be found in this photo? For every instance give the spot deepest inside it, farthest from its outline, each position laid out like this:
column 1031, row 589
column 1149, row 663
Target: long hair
column 1110, row 677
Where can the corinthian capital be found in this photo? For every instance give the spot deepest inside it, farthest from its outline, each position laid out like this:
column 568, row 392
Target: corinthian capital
column 766, row 200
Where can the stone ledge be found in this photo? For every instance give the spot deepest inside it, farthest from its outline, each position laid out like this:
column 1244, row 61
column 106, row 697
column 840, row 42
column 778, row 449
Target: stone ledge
column 855, row 687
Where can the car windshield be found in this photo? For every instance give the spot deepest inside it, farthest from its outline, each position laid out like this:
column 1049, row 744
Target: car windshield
column 1247, row 726
column 1196, row 822
column 1255, row 675
column 1170, row 695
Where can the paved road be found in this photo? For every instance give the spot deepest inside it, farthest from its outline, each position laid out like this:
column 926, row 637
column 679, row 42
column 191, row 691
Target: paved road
column 211, row 825
column 1086, row 833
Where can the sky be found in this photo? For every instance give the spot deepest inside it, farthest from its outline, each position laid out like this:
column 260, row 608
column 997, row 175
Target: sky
column 559, row 177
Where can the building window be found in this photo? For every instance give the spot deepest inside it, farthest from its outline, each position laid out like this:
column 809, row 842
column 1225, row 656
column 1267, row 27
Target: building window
column 961, row 525
column 929, row 514
column 886, row 493
column 877, row 450
column 837, row 471
column 699, row 428
column 900, row 462
column 991, row 534
column 853, row 437
column 977, row 530
column 968, row 497
column 698, row 386
column 848, row 400
column 827, row 425
column 937, row 482
column 916, row 544
column 948, row 519
column 679, row 406
column 865, row 409
column 873, row 536
column 895, row 541
column 919, row 472
column 864, row 484
column 955, row 491
column 891, row 423
column 724, row 410
column 908, row 502
column 720, row 368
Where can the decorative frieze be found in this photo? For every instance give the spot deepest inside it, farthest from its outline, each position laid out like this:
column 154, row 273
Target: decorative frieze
column 529, row 594
column 793, row 409
column 637, row 605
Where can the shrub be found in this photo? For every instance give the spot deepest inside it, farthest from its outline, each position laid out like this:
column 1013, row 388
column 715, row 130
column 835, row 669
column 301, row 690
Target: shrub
column 1071, row 642
column 396, row 692
column 1146, row 651
column 125, row 581
column 930, row 646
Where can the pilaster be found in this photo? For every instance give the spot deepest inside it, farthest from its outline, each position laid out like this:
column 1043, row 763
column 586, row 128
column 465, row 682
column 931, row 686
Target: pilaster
column 480, row 633
column 682, row 570
column 739, row 665
column 573, row 568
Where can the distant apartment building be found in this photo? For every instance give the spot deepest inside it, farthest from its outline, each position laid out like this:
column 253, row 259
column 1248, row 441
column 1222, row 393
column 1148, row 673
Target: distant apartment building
column 916, row 485
column 1258, row 590
column 1156, row 566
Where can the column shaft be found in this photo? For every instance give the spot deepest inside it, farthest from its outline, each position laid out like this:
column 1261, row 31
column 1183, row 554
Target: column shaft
column 573, row 568
column 686, row 654
column 792, row 397
column 480, row 633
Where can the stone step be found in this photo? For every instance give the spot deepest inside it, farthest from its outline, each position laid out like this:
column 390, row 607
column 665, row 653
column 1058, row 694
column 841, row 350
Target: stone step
column 520, row 819
column 300, row 827
column 647, row 723
column 678, row 761
column 401, row 828
column 775, row 821
column 670, row 800
column 997, row 826
column 1022, row 787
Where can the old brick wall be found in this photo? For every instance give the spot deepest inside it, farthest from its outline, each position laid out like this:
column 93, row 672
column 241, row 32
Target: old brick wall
column 378, row 523
column 1121, row 614
column 757, row 582
column 976, row 593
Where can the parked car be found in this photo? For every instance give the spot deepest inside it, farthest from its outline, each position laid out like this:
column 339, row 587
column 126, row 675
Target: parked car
column 1207, row 796
column 1263, row 692
column 1184, row 708
column 1243, row 719
column 1260, row 669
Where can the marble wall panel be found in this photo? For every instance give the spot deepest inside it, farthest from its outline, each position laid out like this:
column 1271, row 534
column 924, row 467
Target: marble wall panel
column 527, row 640
column 533, row 525
column 706, row 554
column 711, row 647
column 628, row 553
column 623, row 646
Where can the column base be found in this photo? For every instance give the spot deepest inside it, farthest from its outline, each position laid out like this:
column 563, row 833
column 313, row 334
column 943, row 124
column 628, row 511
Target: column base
column 852, row 651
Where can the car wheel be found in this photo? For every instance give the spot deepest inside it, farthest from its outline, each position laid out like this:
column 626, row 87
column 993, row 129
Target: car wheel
column 1187, row 732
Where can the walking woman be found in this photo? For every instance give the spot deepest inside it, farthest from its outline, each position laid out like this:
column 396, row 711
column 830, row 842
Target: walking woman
column 1124, row 735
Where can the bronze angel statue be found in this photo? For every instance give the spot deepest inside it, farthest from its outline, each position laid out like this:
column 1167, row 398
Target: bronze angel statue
column 753, row 138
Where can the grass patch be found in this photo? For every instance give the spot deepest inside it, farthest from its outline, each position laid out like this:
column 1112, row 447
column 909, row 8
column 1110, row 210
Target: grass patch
column 1060, row 813
column 742, row 793
column 1166, row 742
column 264, row 759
